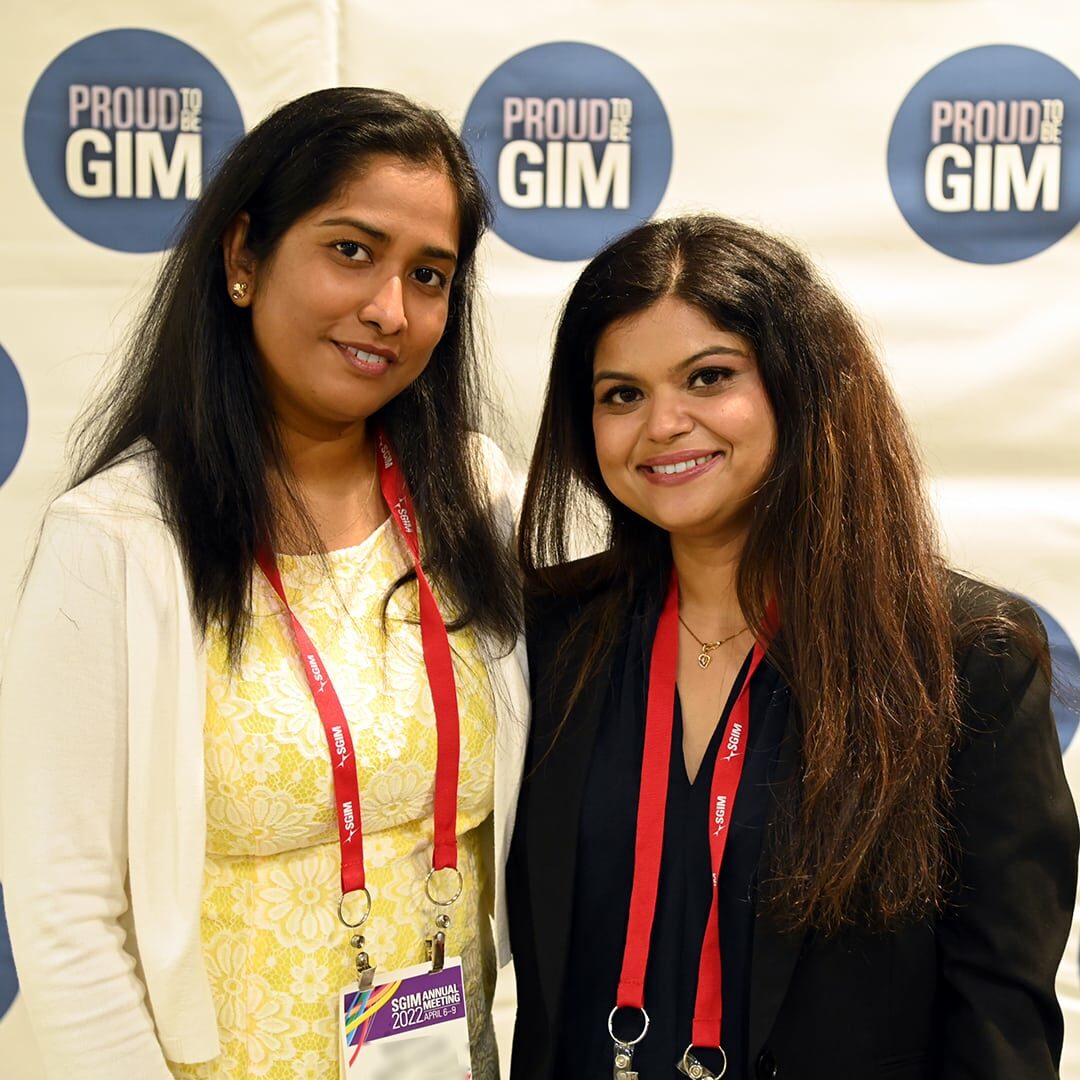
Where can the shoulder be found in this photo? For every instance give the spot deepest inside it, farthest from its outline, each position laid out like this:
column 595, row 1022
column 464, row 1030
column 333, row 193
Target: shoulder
column 501, row 487
column 563, row 594
column 493, row 467
column 112, row 518
column 102, row 542
column 987, row 619
column 1001, row 647
column 125, row 490
column 975, row 600
column 564, row 610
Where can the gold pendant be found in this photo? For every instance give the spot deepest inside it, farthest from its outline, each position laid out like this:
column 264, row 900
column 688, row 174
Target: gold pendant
column 703, row 660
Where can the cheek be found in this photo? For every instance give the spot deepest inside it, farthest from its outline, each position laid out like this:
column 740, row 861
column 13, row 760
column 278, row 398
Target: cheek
column 771, row 447
column 601, row 439
column 433, row 325
column 750, row 421
column 768, row 436
column 612, row 442
column 267, row 336
column 291, row 304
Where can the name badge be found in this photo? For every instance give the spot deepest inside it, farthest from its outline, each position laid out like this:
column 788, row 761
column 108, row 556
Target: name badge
column 410, row 1023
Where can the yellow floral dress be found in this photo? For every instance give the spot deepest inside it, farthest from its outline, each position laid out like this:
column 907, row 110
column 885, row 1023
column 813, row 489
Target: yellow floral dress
column 276, row 954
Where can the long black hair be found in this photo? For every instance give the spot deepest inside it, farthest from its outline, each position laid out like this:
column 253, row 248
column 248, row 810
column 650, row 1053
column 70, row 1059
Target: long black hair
column 192, row 384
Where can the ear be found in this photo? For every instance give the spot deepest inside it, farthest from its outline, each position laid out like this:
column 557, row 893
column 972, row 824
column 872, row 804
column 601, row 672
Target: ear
column 239, row 262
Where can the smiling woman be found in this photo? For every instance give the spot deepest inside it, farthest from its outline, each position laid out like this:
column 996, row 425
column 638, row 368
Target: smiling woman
column 277, row 612
column 794, row 803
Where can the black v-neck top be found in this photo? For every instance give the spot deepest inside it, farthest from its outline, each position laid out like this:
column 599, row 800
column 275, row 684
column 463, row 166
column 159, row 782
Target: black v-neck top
column 604, row 875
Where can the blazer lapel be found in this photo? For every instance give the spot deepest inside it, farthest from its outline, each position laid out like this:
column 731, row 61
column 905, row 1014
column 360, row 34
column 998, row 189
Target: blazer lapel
column 775, row 950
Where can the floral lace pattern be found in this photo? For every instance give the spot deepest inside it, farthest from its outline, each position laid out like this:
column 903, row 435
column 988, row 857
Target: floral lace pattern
column 276, row 954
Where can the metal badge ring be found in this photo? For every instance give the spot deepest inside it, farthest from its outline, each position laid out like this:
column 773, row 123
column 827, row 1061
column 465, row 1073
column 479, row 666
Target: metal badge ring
column 701, row 1070
column 367, row 909
column 627, row 1042
column 453, row 899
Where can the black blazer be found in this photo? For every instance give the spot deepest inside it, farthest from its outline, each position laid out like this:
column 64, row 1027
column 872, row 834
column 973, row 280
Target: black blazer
column 966, row 996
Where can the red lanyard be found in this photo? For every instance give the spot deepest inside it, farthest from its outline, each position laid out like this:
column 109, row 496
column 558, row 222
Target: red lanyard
column 649, row 840
column 440, row 672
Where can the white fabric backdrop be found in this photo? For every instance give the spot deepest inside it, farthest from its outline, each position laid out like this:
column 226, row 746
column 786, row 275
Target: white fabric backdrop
column 779, row 112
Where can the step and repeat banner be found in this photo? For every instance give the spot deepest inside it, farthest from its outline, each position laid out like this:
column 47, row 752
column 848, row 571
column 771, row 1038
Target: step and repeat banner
column 926, row 155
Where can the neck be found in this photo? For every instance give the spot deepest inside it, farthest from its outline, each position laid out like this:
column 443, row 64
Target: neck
column 707, row 575
column 335, row 475
column 329, row 463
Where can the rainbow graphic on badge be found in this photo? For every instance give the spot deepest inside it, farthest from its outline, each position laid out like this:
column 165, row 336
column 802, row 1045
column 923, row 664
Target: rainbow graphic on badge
column 359, row 1010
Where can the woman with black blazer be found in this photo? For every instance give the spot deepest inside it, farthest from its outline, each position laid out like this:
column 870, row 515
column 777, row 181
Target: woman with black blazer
column 771, row 652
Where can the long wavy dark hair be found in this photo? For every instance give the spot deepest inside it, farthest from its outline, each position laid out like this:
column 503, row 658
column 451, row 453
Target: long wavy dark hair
column 840, row 533
column 192, row 384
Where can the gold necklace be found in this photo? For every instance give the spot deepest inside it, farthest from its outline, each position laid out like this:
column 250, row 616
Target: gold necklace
column 704, row 659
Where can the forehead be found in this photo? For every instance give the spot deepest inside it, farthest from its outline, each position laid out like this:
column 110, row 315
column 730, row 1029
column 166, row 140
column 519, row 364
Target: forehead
column 663, row 334
column 403, row 199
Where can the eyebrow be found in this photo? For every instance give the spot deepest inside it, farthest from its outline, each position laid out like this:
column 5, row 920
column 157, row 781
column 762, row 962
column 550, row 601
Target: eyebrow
column 682, row 365
column 428, row 250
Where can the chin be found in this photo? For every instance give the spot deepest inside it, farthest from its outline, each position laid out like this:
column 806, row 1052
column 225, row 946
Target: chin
column 691, row 530
column 720, row 532
column 675, row 526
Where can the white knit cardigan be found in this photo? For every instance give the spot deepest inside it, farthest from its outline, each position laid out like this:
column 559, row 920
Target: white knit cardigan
column 101, row 784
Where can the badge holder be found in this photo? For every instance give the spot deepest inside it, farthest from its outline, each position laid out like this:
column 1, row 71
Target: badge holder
column 409, row 1022
column 436, row 944
column 365, row 969
column 690, row 1066
column 624, row 1048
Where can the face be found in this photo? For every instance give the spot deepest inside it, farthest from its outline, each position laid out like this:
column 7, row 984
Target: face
column 347, row 310
column 684, row 430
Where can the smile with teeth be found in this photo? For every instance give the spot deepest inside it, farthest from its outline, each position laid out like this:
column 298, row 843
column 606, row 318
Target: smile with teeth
column 680, row 466
column 365, row 357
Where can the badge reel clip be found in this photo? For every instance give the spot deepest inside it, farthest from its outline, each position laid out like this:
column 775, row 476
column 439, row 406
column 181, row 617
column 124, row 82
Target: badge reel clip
column 624, row 1048
column 365, row 969
column 436, row 944
column 690, row 1066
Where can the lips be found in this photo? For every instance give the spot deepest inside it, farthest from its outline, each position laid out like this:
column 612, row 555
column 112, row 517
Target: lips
column 680, row 467
column 368, row 359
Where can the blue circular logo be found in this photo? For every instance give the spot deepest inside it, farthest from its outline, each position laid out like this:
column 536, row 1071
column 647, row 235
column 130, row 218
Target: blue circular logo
column 575, row 146
column 984, row 154
column 9, row 983
column 121, row 132
column 13, row 416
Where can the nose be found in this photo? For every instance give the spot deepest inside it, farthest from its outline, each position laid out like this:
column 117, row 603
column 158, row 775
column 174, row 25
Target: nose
column 385, row 309
column 668, row 416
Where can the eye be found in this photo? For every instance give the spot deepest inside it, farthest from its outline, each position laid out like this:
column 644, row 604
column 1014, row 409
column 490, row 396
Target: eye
column 353, row 250
column 707, row 377
column 428, row 275
column 620, row 394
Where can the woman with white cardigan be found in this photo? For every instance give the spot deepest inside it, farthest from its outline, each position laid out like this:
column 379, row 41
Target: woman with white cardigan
column 232, row 660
